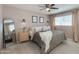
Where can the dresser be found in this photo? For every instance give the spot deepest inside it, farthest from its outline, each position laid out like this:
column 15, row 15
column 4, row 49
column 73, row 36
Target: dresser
column 23, row 36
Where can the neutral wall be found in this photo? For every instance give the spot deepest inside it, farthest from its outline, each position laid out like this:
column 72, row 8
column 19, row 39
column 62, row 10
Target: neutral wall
column 1, row 35
column 78, row 20
column 18, row 14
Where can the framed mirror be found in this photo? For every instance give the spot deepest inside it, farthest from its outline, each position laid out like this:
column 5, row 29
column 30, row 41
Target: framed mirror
column 9, row 32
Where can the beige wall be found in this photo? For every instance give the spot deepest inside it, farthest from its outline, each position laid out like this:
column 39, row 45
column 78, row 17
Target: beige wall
column 18, row 14
column 1, row 35
column 78, row 24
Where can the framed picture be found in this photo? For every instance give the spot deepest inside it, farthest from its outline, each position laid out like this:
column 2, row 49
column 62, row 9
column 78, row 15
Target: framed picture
column 34, row 19
column 41, row 19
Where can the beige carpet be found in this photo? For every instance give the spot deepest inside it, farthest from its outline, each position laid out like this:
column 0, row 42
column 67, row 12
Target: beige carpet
column 67, row 47
column 27, row 47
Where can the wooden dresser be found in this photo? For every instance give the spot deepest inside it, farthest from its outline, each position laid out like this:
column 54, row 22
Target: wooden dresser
column 23, row 36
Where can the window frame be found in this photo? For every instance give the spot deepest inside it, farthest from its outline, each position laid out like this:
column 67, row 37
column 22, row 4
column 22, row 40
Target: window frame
column 63, row 18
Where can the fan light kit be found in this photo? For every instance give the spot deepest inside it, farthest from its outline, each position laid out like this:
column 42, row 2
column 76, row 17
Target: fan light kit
column 48, row 7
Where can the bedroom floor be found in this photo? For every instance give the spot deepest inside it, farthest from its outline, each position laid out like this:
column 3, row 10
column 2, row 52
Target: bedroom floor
column 68, row 47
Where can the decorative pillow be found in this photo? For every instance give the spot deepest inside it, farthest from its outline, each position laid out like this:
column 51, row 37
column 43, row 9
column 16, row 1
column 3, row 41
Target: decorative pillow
column 38, row 29
column 45, row 28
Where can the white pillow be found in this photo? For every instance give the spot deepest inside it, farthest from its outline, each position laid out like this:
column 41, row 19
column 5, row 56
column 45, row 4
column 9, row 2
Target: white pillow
column 31, row 34
column 37, row 29
column 46, row 28
column 32, row 31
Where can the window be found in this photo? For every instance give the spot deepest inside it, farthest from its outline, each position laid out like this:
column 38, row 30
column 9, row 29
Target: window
column 63, row 20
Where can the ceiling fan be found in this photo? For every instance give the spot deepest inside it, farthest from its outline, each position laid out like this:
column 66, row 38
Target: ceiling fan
column 48, row 7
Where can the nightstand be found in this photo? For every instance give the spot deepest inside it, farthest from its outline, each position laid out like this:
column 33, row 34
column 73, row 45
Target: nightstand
column 23, row 36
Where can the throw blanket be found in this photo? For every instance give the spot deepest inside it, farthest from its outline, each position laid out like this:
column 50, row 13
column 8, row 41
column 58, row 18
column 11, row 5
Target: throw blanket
column 46, row 37
column 48, row 40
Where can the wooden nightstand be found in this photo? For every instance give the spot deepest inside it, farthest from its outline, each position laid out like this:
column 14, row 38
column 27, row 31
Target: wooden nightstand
column 23, row 36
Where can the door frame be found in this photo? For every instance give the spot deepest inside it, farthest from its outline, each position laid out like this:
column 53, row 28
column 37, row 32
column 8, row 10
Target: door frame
column 4, row 44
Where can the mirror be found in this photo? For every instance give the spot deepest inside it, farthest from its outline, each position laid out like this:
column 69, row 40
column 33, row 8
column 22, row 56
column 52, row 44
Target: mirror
column 9, row 32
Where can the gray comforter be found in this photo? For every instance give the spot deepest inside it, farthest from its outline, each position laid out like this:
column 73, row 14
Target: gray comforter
column 57, row 38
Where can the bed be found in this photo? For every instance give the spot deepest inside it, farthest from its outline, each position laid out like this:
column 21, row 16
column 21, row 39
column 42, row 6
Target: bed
column 47, row 40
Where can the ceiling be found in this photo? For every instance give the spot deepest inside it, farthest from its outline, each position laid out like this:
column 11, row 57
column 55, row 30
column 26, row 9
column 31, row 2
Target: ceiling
column 36, row 7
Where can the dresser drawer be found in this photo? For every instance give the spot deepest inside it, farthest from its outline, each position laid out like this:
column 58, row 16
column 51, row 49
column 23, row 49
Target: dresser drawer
column 23, row 36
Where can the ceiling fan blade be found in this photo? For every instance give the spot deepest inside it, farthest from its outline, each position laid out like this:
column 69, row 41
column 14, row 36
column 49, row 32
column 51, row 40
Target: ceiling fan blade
column 47, row 5
column 52, row 4
column 54, row 8
column 42, row 8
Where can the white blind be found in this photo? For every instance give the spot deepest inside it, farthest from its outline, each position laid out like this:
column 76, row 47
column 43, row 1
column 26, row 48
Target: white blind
column 65, row 20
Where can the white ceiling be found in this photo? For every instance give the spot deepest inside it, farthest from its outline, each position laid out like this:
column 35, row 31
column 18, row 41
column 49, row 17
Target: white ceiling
column 36, row 7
